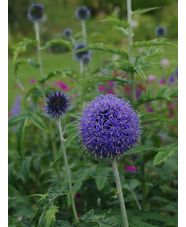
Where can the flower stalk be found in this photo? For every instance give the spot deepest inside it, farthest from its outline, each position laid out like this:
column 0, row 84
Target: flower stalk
column 67, row 171
column 84, row 31
column 129, row 16
column 120, row 195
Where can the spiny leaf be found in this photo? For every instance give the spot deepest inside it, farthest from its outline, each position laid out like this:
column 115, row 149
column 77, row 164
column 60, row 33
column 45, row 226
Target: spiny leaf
column 164, row 93
column 140, row 72
column 50, row 217
column 59, row 42
column 105, row 48
column 37, row 121
column 141, row 11
column 116, row 21
column 154, row 42
column 15, row 120
column 20, row 136
column 164, row 153
column 124, row 31
column 101, row 176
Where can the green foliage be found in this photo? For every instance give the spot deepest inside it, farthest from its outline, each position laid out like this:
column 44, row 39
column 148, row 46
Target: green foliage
column 57, row 42
column 50, row 215
column 116, row 21
column 141, row 11
column 164, row 153
column 154, row 42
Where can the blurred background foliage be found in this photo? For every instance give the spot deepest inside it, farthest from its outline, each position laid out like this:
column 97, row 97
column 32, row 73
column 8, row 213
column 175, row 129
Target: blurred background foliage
column 58, row 15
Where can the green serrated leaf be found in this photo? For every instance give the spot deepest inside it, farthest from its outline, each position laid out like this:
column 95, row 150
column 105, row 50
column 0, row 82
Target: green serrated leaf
column 19, row 118
column 50, row 217
column 101, row 176
column 116, row 21
column 37, row 121
column 58, row 42
column 141, row 11
column 164, row 153
column 140, row 72
column 154, row 42
column 105, row 48
column 124, row 31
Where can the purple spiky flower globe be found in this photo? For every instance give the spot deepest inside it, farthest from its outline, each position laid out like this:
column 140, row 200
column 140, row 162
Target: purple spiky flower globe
column 109, row 127
column 80, row 55
column 35, row 12
column 160, row 31
column 82, row 13
column 67, row 32
column 57, row 104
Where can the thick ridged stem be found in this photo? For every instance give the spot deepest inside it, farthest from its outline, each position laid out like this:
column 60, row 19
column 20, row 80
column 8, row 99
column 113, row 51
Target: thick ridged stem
column 84, row 31
column 67, row 171
column 119, row 189
column 129, row 15
column 54, row 151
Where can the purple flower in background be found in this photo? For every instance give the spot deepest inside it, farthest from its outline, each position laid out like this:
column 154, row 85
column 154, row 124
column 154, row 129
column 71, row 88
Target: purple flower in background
column 16, row 108
column 80, row 55
column 135, row 156
column 35, row 12
column 151, row 78
column 171, row 79
column 82, row 13
column 57, row 104
column 150, row 110
column 101, row 88
column 162, row 81
column 177, row 73
column 110, row 83
column 160, row 31
column 109, row 127
column 32, row 81
column 67, row 32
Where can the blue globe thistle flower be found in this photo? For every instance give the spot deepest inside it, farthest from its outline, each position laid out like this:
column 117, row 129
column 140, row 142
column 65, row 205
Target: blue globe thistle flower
column 67, row 32
column 82, row 13
column 35, row 12
column 109, row 127
column 86, row 59
column 160, row 31
column 80, row 55
column 57, row 104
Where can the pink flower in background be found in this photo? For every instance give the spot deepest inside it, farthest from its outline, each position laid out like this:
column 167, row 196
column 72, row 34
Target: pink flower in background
column 164, row 61
column 116, row 74
column 101, row 88
column 132, row 168
column 79, row 204
column 127, row 90
column 170, row 105
column 150, row 110
column 79, row 215
column 78, row 196
column 32, row 81
column 151, row 78
column 62, row 85
column 72, row 80
column 162, row 81
column 110, row 83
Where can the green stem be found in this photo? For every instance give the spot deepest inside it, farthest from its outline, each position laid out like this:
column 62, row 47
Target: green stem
column 68, row 171
column 36, row 24
column 54, row 151
column 84, row 31
column 119, row 188
column 144, row 188
column 129, row 15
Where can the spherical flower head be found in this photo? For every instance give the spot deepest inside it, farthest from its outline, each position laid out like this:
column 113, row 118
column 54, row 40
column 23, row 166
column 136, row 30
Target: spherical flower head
column 57, row 104
column 67, row 32
column 86, row 59
column 80, row 55
column 35, row 12
column 82, row 13
column 161, row 31
column 109, row 127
